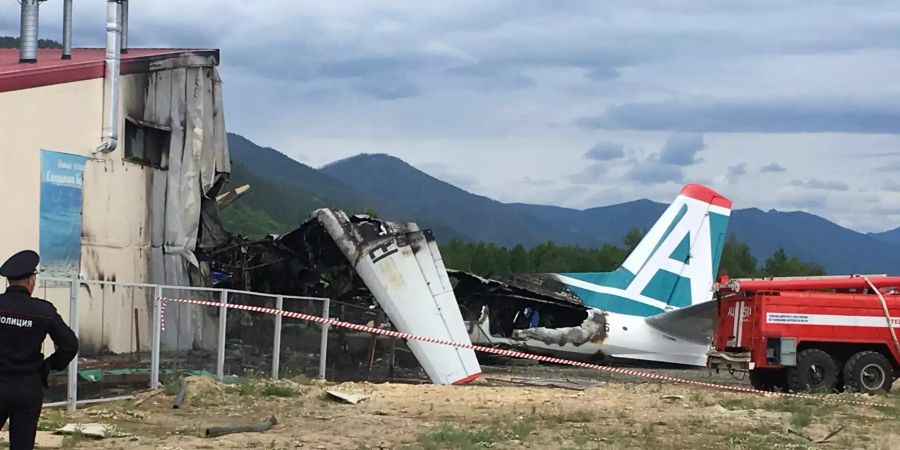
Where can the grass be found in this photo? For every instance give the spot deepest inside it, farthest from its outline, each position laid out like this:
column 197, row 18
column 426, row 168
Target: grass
column 521, row 429
column 458, row 436
column 49, row 425
column 452, row 436
column 762, row 438
column 303, row 380
column 273, row 390
column 802, row 417
column 569, row 416
column 736, row 403
column 892, row 410
column 172, row 387
column 73, row 440
column 802, row 410
column 256, row 387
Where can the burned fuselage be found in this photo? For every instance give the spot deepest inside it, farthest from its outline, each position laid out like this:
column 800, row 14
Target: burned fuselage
column 536, row 313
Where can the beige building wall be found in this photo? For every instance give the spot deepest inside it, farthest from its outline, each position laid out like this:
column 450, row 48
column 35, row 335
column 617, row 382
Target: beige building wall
column 67, row 118
column 119, row 201
column 64, row 118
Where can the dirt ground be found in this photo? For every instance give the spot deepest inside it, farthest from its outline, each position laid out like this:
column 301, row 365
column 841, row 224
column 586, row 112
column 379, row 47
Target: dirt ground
column 581, row 409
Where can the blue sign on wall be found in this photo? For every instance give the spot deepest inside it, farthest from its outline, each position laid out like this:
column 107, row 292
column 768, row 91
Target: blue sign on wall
column 62, row 176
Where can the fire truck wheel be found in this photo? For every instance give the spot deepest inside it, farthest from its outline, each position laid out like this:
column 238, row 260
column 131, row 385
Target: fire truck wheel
column 815, row 371
column 868, row 372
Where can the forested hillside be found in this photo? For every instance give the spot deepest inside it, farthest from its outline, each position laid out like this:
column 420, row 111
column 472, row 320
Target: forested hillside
column 286, row 191
column 492, row 260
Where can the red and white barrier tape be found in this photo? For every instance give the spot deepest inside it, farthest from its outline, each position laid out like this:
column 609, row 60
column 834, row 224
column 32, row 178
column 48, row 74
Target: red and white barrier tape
column 511, row 353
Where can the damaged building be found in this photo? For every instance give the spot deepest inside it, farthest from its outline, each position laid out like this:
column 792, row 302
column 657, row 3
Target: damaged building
column 119, row 161
column 109, row 156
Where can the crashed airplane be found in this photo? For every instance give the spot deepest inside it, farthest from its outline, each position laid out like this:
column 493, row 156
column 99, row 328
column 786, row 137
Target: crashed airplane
column 352, row 259
column 656, row 307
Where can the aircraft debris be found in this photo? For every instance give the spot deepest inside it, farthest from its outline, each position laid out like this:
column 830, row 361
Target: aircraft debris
column 213, row 432
column 672, row 398
column 536, row 382
column 593, row 329
column 93, row 430
column 357, row 261
column 820, row 441
column 182, row 391
column 346, row 397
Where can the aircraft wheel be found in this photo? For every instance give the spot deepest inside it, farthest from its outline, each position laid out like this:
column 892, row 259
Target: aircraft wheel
column 869, row 373
column 815, row 371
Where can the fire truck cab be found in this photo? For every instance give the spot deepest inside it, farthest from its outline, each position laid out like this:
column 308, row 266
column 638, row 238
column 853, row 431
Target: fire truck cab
column 810, row 334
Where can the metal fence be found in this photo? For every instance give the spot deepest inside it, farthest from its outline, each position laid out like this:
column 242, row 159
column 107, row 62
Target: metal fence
column 124, row 347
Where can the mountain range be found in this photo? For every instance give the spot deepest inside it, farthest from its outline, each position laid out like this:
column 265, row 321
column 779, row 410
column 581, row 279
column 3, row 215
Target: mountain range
column 285, row 191
column 892, row 236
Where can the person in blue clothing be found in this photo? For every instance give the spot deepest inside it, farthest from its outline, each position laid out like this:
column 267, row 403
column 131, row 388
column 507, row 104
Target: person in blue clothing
column 533, row 316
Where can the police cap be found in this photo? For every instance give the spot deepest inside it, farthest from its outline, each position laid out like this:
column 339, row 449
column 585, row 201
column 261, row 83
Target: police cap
column 21, row 265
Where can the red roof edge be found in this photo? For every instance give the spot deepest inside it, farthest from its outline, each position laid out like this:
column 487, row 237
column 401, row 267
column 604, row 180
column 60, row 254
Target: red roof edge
column 705, row 194
column 27, row 76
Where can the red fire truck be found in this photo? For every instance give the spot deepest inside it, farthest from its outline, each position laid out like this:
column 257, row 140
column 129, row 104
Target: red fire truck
column 810, row 334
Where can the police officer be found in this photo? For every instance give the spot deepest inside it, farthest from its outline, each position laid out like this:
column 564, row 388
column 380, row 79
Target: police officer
column 24, row 324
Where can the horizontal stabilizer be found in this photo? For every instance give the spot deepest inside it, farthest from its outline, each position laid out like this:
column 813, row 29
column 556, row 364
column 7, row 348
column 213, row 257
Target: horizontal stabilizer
column 696, row 323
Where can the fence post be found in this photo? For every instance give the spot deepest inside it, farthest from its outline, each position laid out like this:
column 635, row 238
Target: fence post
column 276, row 346
column 155, row 338
column 72, row 393
column 223, row 323
column 323, row 350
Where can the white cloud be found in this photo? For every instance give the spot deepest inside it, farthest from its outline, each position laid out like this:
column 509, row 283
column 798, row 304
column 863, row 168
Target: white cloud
column 474, row 84
column 814, row 183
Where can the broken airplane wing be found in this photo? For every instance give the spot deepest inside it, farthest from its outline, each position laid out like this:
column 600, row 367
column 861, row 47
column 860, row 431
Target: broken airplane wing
column 402, row 267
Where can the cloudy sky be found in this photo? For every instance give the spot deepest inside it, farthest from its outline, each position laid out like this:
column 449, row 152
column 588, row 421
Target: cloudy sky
column 775, row 103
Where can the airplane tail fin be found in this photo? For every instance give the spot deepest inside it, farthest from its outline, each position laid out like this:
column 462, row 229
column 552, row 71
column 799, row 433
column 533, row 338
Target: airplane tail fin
column 673, row 266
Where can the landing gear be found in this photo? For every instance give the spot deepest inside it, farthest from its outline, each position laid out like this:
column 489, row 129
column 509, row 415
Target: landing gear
column 815, row 371
column 868, row 373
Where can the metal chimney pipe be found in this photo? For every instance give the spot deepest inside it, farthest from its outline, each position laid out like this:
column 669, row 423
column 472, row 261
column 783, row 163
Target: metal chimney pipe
column 67, row 29
column 124, row 26
column 111, row 79
column 28, row 34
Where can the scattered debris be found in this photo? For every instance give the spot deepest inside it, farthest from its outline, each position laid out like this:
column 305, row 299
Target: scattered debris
column 94, row 430
column 560, row 384
column 182, row 391
column 346, row 397
column 357, row 261
column 43, row 439
column 147, row 396
column 213, row 432
column 672, row 398
column 822, row 441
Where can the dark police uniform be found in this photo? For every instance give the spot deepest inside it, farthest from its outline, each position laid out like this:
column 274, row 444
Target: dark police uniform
column 24, row 324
